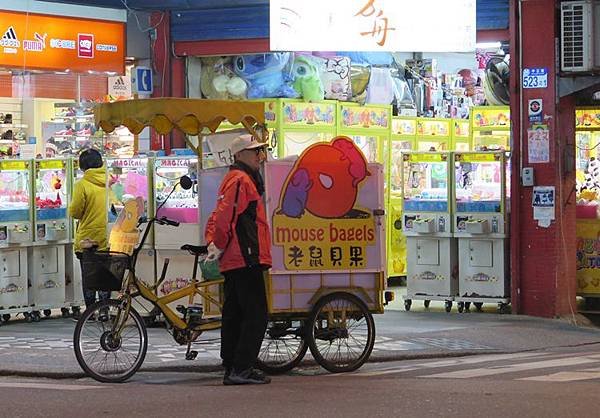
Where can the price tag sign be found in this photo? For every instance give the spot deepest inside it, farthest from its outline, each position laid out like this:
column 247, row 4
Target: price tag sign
column 535, row 78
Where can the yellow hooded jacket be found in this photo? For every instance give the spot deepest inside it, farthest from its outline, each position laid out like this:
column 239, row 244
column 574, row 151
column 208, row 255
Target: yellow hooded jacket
column 89, row 206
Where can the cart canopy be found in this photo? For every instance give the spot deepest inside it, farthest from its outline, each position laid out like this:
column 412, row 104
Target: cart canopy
column 190, row 116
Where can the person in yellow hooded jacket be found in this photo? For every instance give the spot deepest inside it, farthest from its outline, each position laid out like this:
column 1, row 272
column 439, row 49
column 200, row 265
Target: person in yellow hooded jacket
column 88, row 205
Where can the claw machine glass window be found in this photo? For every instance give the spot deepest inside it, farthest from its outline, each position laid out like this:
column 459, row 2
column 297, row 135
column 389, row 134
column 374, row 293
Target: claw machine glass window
column 369, row 126
column 461, row 135
column 402, row 139
column 127, row 178
column 433, row 134
column 182, row 206
column 302, row 124
column 51, row 198
column 490, row 128
column 425, row 182
column 15, row 202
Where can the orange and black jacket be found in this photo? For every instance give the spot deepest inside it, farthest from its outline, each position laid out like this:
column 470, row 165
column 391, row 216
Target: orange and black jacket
column 238, row 225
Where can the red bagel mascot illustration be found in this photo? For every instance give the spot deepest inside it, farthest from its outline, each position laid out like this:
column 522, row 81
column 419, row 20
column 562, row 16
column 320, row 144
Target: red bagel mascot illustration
column 325, row 181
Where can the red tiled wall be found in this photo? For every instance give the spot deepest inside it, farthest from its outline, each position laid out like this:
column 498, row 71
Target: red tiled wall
column 59, row 86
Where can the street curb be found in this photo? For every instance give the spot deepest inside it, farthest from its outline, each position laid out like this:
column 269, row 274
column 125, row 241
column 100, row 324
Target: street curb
column 218, row 368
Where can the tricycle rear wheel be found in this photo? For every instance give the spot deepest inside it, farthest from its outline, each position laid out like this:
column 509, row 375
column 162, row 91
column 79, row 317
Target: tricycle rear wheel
column 283, row 347
column 341, row 332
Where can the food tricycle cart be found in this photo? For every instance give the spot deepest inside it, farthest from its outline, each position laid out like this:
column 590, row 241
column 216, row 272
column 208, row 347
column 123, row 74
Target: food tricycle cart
column 328, row 248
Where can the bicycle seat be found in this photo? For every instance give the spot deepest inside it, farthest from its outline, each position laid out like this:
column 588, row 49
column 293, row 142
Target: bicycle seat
column 195, row 249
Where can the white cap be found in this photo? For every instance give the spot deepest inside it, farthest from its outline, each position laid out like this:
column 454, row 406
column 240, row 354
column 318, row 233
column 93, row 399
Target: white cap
column 243, row 142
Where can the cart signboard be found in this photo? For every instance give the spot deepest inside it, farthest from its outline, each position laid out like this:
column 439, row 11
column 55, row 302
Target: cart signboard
column 321, row 208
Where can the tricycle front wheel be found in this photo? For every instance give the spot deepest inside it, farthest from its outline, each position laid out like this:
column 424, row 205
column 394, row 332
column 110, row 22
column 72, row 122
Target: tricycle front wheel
column 341, row 332
column 110, row 341
column 283, row 347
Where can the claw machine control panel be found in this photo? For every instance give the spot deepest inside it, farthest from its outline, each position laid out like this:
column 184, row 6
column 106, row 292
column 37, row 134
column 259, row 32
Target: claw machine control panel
column 51, row 233
column 182, row 207
column 427, row 224
column 481, row 226
column 16, row 226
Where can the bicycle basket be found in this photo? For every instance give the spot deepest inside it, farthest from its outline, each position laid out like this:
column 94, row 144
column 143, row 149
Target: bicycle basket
column 103, row 270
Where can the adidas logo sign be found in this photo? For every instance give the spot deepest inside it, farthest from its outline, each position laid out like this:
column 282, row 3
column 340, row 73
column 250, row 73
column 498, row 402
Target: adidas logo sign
column 9, row 39
column 120, row 81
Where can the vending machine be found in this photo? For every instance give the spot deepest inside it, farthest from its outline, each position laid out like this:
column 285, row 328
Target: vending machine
column 403, row 138
column 51, row 234
column 369, row 126
column 433, row 134
column 73, row 285
column 481, row 227
column 427, row 222
column 182, row 206
column 16, row 226
column 461, row 135
column 490, row 127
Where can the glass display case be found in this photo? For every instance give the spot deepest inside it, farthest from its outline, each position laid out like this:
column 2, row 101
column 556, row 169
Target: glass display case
column 51, row 199
column 127, row 178
column 15, row 202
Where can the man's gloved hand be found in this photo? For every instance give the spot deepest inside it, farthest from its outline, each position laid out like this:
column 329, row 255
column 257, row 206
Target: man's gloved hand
column 213, row 253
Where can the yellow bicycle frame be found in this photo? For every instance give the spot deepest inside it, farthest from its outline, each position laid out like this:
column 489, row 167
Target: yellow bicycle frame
column 194, row 288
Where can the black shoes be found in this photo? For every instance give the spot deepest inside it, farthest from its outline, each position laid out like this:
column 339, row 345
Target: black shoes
column 247, row 377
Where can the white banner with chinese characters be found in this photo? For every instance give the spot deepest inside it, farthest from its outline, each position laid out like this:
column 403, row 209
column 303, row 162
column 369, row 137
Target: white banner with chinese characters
column 373, row 25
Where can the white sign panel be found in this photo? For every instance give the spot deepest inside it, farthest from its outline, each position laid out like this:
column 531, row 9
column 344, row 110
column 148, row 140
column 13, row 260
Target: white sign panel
column 119, row 86
column 373, row 25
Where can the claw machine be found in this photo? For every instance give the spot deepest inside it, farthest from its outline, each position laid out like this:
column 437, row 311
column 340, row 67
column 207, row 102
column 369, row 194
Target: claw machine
column 587, row 160
column 481, row 227
column 73, row 285
column 461, row 135
column 130, row 178
column 490, row 128
column 182, row 207
column 433, row 134
column 51, row 234
column 16, row 226
column 403, row 137
column 299, row 124
column 369, row 126
column 427, row 222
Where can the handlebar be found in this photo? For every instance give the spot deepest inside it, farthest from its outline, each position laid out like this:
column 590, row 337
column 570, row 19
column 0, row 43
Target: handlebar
column 164, row 220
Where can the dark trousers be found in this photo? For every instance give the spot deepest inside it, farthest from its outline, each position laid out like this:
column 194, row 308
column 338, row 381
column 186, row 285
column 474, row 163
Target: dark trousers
column 244, row 319
column 89, row 295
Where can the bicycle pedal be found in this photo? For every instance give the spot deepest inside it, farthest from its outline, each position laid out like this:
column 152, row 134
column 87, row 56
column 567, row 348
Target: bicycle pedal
column 191, row 355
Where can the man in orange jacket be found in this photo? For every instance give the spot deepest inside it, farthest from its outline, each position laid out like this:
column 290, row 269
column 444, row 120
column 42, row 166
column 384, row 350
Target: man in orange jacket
column 238, row 235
